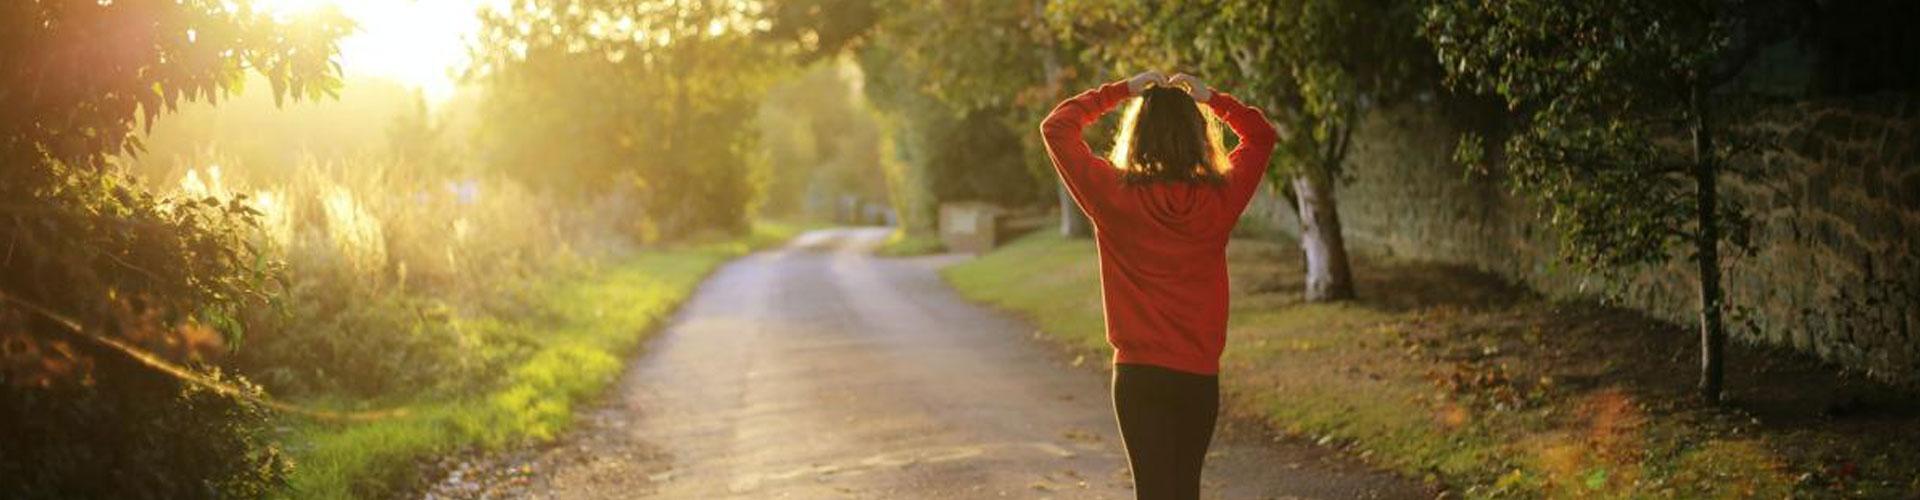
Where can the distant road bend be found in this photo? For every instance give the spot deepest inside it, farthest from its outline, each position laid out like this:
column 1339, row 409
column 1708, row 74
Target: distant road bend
column 820, row 371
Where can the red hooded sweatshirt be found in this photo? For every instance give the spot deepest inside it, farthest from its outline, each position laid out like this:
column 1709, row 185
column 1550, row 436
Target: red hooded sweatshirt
column 1163, row 245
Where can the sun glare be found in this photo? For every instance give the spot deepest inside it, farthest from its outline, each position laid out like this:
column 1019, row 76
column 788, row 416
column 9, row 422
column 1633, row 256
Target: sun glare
column 419, row 43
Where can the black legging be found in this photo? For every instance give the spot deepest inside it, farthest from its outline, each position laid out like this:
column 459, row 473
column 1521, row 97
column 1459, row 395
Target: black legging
column 1166, row 419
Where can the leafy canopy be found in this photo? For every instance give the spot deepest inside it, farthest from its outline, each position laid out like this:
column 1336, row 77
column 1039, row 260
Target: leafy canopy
column 79, row 74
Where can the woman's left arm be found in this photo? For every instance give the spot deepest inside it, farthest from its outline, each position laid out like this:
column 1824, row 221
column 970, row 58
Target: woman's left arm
column 1257, row 140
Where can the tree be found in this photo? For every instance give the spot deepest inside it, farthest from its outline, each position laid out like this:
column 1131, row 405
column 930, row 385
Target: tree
column 1621, row 137
column 98, row 267
column 959, row 152
column 988, row 62
column 820, row 29
column 823, row 137
column 914, row 121
column 995, row 59
column 1074, row 222
column 654, row 97
column 1314, row 65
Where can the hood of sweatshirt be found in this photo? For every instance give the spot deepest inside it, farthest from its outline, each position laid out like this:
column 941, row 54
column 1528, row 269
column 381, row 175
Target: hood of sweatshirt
column 1187, row 210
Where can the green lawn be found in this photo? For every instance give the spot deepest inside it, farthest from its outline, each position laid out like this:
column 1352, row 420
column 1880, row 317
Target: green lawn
column 904, row 243
column 589, row 324
column 1450, row 376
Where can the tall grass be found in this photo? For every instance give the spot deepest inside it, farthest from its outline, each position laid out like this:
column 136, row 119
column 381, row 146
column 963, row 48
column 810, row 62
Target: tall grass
column 481, row 309
column 394, row 279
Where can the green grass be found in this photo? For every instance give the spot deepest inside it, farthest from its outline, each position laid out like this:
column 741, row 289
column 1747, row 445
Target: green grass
column 1491, row 392
column 588, row 325
column 903, row 243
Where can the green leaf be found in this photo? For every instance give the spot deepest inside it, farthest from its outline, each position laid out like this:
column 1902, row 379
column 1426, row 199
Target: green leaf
column 1596, row 479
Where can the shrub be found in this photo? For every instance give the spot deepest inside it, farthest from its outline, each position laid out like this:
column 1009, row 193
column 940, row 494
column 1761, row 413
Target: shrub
column 134, row 435
column 166, row 275
column 396, row 279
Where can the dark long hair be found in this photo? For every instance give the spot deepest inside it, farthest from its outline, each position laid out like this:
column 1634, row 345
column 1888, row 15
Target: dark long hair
column 1166, row 137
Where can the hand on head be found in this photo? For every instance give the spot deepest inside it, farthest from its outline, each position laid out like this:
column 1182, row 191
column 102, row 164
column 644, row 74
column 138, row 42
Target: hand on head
column 1194, row 87
column 1140, row 82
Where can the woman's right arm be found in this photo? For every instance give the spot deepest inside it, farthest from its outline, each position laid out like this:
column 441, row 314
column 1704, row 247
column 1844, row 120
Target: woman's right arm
column 1087, row 176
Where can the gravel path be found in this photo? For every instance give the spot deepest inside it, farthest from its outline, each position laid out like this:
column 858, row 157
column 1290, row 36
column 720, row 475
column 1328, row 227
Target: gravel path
column 820, row 371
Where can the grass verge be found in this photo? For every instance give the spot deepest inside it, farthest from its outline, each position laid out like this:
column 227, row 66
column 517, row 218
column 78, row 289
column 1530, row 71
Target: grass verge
column 903, row 243
column 587, row 326
column 1452, row 376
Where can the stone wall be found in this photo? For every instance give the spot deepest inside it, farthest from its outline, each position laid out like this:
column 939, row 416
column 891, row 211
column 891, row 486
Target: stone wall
column 1836, row 212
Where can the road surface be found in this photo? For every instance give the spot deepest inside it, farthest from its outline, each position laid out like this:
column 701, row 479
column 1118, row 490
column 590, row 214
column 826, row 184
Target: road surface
column 820, row 371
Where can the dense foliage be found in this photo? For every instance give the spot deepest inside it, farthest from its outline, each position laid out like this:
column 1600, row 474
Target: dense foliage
column 416, row 292
column 135, row 435
column 952, row 76
column 655, row 102
column 94, row 258
column 962, row 75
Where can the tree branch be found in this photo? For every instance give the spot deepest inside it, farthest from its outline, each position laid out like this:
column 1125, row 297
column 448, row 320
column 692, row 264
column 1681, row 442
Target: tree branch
column 184, row 374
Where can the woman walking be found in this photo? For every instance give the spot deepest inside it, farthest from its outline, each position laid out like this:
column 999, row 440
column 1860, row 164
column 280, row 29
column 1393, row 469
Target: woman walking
column 1162, row 206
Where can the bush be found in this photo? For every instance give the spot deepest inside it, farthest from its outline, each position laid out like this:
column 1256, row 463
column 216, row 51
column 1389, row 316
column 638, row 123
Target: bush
column 136, row 435
column 342, row 342
column 167, row 275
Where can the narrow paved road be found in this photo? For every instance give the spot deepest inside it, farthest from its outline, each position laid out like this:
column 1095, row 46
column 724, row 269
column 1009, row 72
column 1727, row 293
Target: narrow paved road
column 819, row 371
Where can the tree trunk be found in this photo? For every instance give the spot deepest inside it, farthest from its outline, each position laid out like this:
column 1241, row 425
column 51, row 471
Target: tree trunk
column 1713, row 334
column 1328, row 276
column 1073, row 222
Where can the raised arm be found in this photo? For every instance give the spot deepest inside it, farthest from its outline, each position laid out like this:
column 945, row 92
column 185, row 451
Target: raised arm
column 1257, row 140
column 1065, row 126
column 1088, row 177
